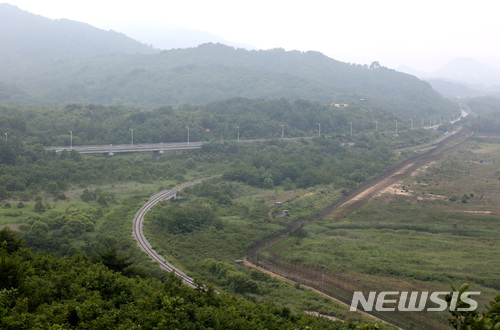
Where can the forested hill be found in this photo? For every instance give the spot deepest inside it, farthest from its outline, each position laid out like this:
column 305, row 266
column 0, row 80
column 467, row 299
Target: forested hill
column 25, row 36
column 65, row 61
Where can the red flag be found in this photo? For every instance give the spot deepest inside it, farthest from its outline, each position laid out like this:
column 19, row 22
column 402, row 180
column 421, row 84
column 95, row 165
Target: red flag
column 207, row 130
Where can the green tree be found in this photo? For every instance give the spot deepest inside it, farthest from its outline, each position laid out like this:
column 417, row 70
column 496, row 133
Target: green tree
column 88, row 196
column 3, row 193
column 12, row 271
column 77, row 224
column 102, row 200
column 75, row 155
column 39, row 207
column 288, row 185
column 52, row 188
column 39, row 225
column 110, row 259
column 8, row 240
column 465, row 320
column 268, row 183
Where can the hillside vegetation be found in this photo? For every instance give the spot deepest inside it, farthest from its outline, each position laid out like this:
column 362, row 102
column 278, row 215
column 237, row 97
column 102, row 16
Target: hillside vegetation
column 436, row 227
column 256, row 119
column 486, row 119
column 215, row 72
column 66, row 61
column 28, row 38
column 41, row 291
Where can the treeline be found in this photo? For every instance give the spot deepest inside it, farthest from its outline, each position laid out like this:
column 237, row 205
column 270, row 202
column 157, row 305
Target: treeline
column 253, row 119
column 214, row 72
column 308, row 163
column 38, row 290
column 96, row 231
column 26, row 171
column 486, row 109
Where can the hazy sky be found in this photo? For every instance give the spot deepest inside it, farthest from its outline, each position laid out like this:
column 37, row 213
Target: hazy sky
column 421, row 34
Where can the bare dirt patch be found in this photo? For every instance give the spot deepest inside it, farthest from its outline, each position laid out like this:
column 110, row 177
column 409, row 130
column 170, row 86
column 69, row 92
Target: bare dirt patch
column 422, row 169
column 13, row 226
column 431, row 197
column 331, row 318
column 371, row 191
column 481, row 212
column 397, row 174
column 377, row 187
column 395, row 189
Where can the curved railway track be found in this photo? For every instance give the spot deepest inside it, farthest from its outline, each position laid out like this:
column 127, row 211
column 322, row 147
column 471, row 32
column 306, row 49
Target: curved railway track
column 138, row 234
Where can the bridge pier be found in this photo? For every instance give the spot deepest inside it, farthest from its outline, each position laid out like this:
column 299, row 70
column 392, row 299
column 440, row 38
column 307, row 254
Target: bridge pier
column 157, row 154
column 172, row 197
column 110, row 153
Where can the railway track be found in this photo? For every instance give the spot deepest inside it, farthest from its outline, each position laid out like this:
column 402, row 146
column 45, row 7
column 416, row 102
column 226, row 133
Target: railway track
column 138, row 234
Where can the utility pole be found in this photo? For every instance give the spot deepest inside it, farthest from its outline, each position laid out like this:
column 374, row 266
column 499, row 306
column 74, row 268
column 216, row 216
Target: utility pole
column 71, row 139
column 319, row 129
column 238, row 133
column 422, row 122
column 5, row 137
column 350, row 122
column 131, row 137
column 282, row 131
column 376, row 125
column 188, row 134
column 396, row 126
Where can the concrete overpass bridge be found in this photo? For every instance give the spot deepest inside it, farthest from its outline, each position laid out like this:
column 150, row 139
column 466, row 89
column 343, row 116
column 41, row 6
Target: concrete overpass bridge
column 156, row 148
column 110, row 150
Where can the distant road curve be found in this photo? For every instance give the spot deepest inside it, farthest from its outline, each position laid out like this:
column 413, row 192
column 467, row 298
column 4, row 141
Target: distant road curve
column 144, row 244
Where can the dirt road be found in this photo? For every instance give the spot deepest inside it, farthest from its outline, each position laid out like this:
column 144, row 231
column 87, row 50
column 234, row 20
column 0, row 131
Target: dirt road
column 368, row 189
column 354, row 200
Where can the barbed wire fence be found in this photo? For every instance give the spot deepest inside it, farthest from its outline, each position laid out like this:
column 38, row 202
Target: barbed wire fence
column 337, row 286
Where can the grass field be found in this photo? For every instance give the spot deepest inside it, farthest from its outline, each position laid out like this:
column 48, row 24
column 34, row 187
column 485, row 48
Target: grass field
column 16, row 216
column 438, row 227
column 197, row 252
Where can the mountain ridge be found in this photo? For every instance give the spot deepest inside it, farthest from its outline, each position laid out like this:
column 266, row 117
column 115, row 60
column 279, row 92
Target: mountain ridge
column 26, row 36
column 462, row 77
column 469, row 71
column 207, row 73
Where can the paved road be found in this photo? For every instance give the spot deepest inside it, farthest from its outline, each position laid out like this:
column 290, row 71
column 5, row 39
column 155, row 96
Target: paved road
column 155, row 147
column 111, row 149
